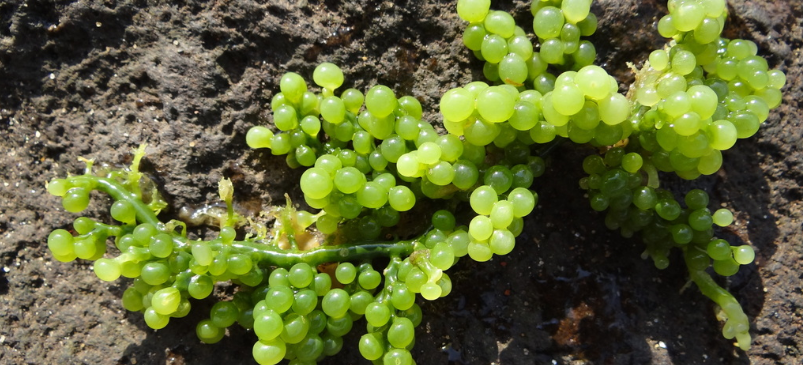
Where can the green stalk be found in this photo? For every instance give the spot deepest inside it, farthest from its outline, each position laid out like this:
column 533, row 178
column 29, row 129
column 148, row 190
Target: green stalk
column 737, row 324
column 119, row 192
column 275, row 256
column 262, row 253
